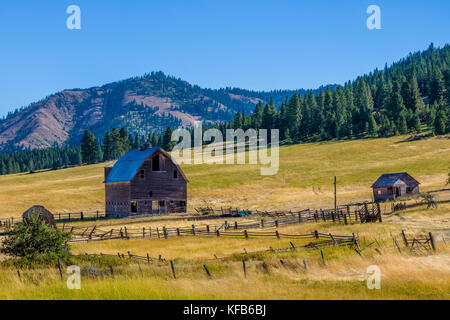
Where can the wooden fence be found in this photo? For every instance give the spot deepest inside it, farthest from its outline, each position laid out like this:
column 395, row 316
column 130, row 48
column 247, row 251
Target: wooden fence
column 93, row 233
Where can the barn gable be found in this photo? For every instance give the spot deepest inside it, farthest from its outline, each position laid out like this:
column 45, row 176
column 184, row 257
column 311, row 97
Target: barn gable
column 125, row 169
column 390, row 179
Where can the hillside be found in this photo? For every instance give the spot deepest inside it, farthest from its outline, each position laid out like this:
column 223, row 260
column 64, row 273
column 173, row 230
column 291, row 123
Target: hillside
column 304, row 179
column 142, row 105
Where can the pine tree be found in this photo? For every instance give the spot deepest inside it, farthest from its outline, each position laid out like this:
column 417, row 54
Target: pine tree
column 117, row 144
column 440, row 122
column 89, row 149
column 108, row 147
column 395, row 105
column 437, row 87
column 257, row 116
column 168, row 144
column 416, row 124
column 293, row 116
column 402, row 124
column 373, row 127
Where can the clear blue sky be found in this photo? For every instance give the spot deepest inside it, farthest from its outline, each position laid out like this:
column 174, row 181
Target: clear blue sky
column 262, row 44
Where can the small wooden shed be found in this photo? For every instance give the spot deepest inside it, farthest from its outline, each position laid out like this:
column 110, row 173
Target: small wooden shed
column 390, row 186
column 43, row 213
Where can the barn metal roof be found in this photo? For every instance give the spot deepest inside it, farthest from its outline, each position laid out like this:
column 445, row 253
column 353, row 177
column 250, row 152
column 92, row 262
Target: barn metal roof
column 388, row 179
column 126, row 167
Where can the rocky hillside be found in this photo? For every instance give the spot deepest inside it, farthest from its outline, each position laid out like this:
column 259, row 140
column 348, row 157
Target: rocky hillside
column 140, row 104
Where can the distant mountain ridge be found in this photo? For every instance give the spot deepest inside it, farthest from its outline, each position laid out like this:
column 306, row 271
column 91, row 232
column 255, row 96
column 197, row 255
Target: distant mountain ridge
column 141, row 104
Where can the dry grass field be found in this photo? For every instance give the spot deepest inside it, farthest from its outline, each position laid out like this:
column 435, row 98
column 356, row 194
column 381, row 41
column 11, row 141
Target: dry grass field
column 405, row 275
column 304, row 180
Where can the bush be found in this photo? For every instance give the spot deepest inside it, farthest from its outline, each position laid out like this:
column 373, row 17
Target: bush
column 33, row 237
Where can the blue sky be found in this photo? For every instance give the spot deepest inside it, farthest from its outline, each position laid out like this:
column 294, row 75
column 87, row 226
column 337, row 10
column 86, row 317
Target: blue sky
column 263, row 45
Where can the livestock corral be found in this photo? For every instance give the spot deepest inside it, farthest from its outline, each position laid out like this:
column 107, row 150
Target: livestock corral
column 261, row 247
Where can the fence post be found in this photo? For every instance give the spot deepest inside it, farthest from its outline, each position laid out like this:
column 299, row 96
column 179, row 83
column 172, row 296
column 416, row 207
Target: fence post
column 334, row 240
column 60, row 269
column 148, row 258
column 235, row 225
column 218, row 233
column 126, row 232
column 299, row 217
column 277, row 234
column 316, row 234
column 207, row 271
column 262, row 223
column 245, row 234
column 404, row 239
column 345, row 218
column 207, row 228
column 81, row 215
column 157, row 230
column 276, row 223
column 178, row 231
column 173, row 269
column 143, row 232
column 433, row 245
column 165, row 232
column 97, row 214
column 245, row 268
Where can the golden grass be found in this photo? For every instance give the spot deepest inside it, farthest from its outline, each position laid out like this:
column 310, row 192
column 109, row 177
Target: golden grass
column 304, row 179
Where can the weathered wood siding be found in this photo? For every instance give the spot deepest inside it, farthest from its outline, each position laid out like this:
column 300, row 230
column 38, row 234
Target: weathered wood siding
column 117, row 199
column 158, row 186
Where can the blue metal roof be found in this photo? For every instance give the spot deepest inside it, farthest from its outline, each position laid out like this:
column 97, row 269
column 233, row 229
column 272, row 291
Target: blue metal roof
column 387, row 180
column 126, row 167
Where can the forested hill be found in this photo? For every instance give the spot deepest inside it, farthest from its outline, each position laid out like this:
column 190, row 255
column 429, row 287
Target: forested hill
column 410, row 96
column 141, row 105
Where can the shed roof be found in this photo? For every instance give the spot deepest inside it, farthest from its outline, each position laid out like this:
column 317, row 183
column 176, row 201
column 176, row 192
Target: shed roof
column 126, row 167
column 389, row 179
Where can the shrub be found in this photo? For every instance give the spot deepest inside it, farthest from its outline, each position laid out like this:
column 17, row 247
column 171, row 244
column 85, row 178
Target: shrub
column 33, row 237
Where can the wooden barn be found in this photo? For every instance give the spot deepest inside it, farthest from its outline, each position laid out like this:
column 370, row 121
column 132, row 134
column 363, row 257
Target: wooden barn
column 145, row 181
column 393, row 185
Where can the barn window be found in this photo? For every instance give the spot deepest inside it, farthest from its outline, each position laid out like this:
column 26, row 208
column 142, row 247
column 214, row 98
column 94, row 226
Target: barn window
column 379, row 192
column 155, row 163
column 133, row 206
column 142, row 174
column 155, row 206
column 408, row 189
column 161, row 203
column 150, row 194
column 175, row 174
